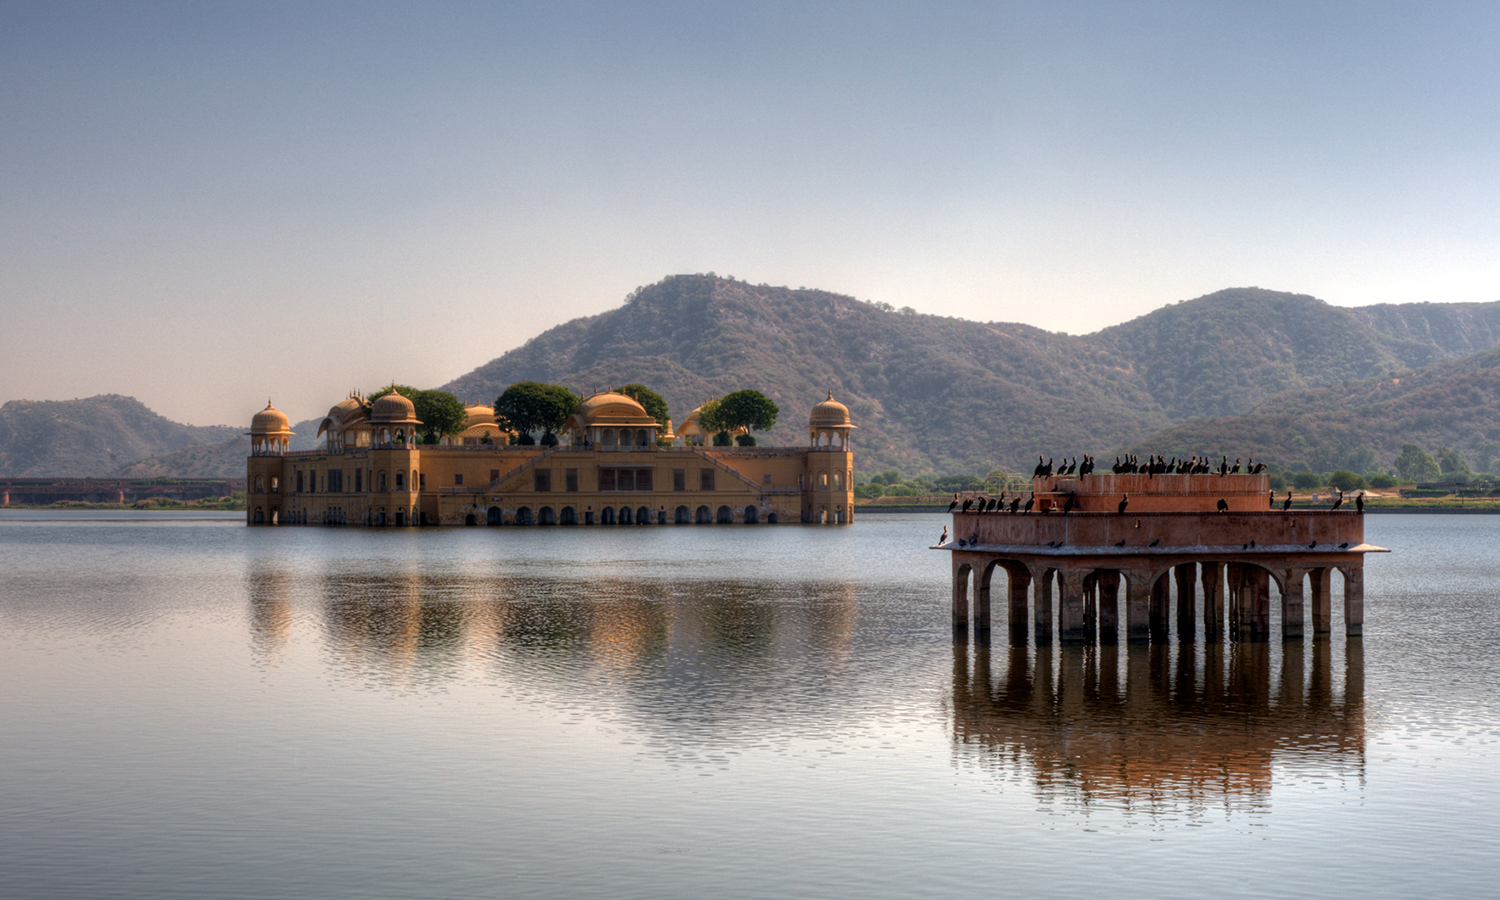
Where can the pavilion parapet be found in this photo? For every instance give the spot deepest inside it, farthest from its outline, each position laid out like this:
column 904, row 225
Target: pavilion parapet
column 1271, row 531
column 1102, row 492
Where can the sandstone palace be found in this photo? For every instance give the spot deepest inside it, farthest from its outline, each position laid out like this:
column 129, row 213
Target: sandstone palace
column 608, row 469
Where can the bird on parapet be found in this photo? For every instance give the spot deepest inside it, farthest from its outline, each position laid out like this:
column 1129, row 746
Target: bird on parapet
column 1271, row 501
column 1236, row 469
column 944, row 538
column 1344, row 546
column 954, row 504
column 1312, row 545
column 1030, row 502
column 1068, row 505
column 1224, row 467
column 1039, row 467
column 1359, row 502
column 1154, row 543
column 967, row 503
column 1120, row 543
column 1124, row 502
column 1287, row 503
column 1252, row 545
column 1338, row 501
column 1015, row 503
column 1223, row 505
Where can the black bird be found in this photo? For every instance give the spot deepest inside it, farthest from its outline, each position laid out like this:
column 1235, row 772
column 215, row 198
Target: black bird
column 954, row 504
column 1119, row 466
column 1124, row 502
column 1287, row 503
column 1068, row 506
column 1252, row 545
column 1047, row 469
column 1344, row 546
column 1223, row 505
column 1244, row 546
column 1154, row 543
column 973, row 539
column 1224, row 466
column 1038, row 470
column 944, row 539
column 1359, row 502
column 1312, row 545
column 1030, row 502
column 1236, row 469
column 1338, row 502
column 962, row 542
column 1271, row 500
column 1120, row 544
column 1015, row 503
column 967, row 503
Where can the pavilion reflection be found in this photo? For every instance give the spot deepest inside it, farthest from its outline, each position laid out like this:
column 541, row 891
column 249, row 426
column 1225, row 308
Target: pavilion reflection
column 1153, row 730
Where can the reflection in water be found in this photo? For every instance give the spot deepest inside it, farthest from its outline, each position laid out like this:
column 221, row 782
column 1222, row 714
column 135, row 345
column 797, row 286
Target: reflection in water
column 1148, row 729
column 269, row 586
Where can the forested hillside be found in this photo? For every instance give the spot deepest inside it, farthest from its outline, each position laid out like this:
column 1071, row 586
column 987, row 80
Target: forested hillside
column 1247, row 372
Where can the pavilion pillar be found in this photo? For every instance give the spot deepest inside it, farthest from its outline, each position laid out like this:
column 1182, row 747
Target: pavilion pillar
column 1258, row 595
column 1354, row 599
column 1322, row 605
column 960, row 598
column 1291, row 605
column 1109, row 606
column 1161, row 601
column 1138, row 608
column 1043, row 608
column 982, row 601
column 1186, row 581
column 1019, row 582
column 1213, row 602
column 1091, row 605
column 1234, row 574
column 1070, row 613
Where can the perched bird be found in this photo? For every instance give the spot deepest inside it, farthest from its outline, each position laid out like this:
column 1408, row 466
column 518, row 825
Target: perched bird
column 944, row 539
column 1015, row 503
column 1039, row 467
column 1287, row 503
column 1271, row 501
column 1244, row 546
column 967, row 503
column 954, row 505
column 1359, row 502
column 1120, row 543
column 1236, row 469
column 1312, row 545
column 962, row 542
column 1344, row 546
column 1338, row 501
column 1124, row 502
column 1068, row 506
column 1223, row 505
column 1154, row 543
column 1252, row 545
column 1030, row 502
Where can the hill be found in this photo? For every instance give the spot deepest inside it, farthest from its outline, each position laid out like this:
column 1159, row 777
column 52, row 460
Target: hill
column 90, row 437
column 931, row 393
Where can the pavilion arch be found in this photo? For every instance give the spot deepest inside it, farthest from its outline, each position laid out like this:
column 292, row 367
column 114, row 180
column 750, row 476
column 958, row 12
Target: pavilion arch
column 725, row 516
column 704, row 516
column 626, row 516
column 752, row 515
column 471, row 519
column 684, row 516
column 546, row 516
column 524, row 516
column 568, row 516
column 494, row 516
column 642, row 516
column 771, row 518
column 260, row 516
column 607, row 516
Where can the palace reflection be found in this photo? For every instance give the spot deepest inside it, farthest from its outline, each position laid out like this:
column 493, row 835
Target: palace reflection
column 1155, row 730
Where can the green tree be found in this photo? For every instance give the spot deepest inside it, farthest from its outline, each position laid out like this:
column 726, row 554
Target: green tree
column 1382, row 481
column 1453, row 465
column 1306, row 480
column 1346, row 480
column 653, row 403
column 749, row 409
column 530, row 406
column 1415, row 464
column 711, row 420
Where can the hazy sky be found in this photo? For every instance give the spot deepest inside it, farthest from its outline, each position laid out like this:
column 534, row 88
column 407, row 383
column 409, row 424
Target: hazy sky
column 208, row 203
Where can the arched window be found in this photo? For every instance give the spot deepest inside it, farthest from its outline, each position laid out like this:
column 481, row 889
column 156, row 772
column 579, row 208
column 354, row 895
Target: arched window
column 400, row 481
column 726, row 515
column 609, row 439
column 640, row 439
column 382, row 484
column 752, row 515
column 260, row 484
column 275, row 483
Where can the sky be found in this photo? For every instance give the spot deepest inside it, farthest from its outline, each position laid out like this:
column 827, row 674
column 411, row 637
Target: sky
column 206, row 204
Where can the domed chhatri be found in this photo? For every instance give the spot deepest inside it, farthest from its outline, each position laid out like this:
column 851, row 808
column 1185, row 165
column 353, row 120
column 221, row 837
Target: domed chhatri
column 828, row 426
column 616, row 465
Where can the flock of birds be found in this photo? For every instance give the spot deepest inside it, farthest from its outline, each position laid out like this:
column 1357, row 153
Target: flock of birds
column 1154, row 465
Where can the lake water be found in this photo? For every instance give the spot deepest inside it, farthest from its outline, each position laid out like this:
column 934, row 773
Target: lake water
column 193, row 708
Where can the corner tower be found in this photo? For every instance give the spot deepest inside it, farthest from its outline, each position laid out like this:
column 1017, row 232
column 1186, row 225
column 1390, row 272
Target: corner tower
column 828, row 491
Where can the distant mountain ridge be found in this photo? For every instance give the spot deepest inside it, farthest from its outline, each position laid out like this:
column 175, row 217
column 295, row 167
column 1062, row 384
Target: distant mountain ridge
column 92, row 436
column 1240, row 371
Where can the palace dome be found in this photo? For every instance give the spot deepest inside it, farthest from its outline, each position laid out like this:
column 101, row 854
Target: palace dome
column 479, row 414
column 829, row 414
column 611, row 409
column 393, row 408
column 270, row 421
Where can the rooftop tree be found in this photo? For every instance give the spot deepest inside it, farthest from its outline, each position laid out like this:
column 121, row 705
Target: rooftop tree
column 439, row 411
column 530, row 406
column 653, row 403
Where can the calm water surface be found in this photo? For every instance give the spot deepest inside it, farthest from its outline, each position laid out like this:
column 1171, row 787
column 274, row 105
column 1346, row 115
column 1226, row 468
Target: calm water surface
column 192, row 708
